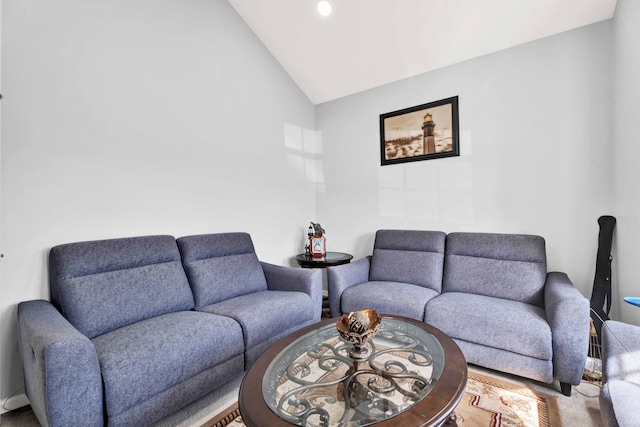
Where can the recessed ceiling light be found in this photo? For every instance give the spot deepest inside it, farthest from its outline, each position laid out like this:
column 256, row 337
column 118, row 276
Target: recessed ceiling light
column 324, row 8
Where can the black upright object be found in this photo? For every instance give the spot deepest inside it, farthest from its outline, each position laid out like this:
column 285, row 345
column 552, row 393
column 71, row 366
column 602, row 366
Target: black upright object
column 601, row 293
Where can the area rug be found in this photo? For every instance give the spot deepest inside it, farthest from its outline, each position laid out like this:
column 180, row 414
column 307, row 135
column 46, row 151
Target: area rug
column 487, row 402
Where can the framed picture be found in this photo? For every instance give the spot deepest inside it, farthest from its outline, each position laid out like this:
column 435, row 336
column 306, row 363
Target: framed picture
column 424, row 132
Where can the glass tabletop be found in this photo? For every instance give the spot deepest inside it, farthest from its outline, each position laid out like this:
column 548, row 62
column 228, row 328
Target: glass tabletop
column 314, row 382
column 633, row 300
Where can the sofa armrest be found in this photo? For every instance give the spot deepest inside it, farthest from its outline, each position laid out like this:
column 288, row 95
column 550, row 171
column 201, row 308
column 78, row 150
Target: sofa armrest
column 567, row 312
column 343, row 276
column 620, row 352
column 619, row 404
column 61, row 370
column 309, row 281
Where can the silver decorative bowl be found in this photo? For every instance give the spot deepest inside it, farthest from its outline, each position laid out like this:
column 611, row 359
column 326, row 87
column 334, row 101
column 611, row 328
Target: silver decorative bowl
column 358, row 327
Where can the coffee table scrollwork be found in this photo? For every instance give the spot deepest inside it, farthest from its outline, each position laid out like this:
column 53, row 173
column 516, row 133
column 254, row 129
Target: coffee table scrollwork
column 415, row 375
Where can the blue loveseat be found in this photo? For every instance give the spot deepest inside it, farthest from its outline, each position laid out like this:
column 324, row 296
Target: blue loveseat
column 137, row 328
column 490, row 292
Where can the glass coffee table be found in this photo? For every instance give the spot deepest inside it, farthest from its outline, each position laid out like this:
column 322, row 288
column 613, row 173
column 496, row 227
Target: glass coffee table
column 415, row 376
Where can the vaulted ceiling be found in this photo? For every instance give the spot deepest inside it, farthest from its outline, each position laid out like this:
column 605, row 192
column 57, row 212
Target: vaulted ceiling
column 368, row 43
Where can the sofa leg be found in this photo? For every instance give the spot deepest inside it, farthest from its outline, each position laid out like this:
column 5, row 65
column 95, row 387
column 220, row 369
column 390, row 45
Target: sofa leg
column 565, row 388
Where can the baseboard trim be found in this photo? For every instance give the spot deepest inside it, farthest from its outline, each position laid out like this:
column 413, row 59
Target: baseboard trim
column 13, row 402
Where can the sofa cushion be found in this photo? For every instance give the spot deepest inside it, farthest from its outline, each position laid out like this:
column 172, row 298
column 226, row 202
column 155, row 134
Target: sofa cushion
column 409, row 256
column 402, row 299
column 140, row 360
column 504, row 324
column 265, row 314
column 507, row 266
column 221, row 266
column 103, row 285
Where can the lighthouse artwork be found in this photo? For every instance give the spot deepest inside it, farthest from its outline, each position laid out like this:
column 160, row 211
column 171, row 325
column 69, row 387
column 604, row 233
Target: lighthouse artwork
column 422, row 132
column 428, row 137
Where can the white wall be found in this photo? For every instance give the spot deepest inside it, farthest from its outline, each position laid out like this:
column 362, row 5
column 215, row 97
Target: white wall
column 626, row 159
column 536, row 136
column 129, row 118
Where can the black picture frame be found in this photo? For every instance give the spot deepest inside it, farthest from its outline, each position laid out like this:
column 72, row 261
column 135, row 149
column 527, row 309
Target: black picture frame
column 404, row 133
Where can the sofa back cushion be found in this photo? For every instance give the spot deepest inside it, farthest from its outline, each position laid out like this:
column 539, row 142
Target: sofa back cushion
column 509, row 266
column 103, row 285
column 408, row 256
column 221, row 266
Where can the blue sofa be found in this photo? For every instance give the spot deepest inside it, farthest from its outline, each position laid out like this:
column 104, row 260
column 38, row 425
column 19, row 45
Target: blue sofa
column 620, row 393
column 137, row 328
column 490, row 292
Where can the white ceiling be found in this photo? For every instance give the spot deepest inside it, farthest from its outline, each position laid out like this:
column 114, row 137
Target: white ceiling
column 368, row 43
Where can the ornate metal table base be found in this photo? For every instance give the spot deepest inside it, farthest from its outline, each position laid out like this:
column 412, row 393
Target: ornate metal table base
column 321, row 385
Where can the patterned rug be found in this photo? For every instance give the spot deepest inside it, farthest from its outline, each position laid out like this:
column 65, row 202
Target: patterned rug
column 487, row 402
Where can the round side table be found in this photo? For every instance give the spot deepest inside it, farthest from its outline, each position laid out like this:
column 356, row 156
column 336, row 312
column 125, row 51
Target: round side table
column 330, row 259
